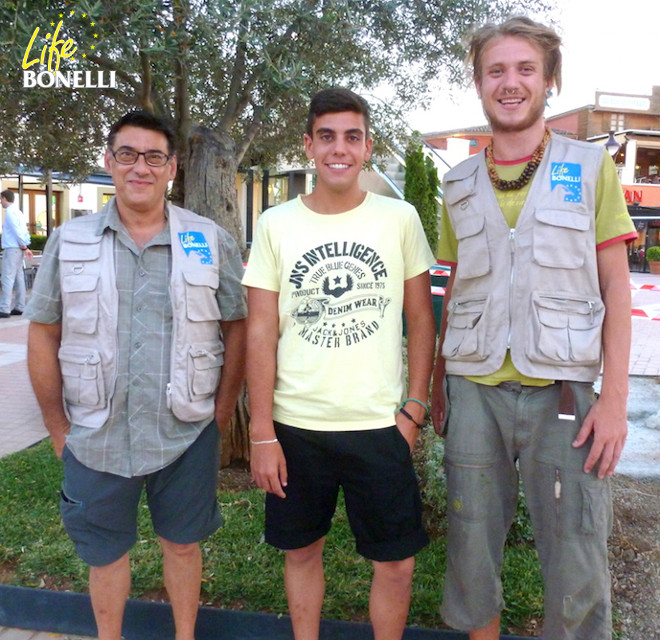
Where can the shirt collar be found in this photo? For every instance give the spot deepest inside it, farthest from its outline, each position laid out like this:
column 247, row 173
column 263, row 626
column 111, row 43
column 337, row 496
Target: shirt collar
column 110, row 219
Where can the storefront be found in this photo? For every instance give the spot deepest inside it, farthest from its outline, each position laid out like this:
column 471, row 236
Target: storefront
column 647, row 224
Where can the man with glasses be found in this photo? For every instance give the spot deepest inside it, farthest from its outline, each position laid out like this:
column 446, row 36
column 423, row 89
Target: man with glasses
column 136, row 352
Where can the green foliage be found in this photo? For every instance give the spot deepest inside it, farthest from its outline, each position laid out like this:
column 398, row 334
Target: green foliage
column 37, row 242
column 653, row 253
column 240, row 570
column 245, row 68
column 421, row 188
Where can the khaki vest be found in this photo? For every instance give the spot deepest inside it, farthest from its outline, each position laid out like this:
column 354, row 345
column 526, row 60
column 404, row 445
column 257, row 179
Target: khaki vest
column 533, row 289
column 88, row 351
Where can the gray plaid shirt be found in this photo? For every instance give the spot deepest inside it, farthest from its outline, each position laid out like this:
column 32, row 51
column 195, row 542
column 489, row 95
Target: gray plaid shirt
column 141, row 435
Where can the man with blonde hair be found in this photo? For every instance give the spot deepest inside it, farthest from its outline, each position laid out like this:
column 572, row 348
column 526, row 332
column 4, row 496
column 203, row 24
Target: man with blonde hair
column 538, row 299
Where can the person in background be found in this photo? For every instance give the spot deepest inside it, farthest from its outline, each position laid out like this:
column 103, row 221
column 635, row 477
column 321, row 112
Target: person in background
column 15, row 248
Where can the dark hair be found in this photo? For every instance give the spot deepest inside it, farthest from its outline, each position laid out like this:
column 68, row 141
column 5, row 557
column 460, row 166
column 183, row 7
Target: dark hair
column 336, row 100
column 8, row 195
column 545, row 38
column 143, row 120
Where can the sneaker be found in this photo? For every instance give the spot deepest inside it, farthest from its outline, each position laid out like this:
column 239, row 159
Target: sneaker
column 4, row 315
column 16, row 312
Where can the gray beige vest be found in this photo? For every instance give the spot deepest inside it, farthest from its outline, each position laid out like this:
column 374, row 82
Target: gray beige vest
column 533, row 289
column 88, row 351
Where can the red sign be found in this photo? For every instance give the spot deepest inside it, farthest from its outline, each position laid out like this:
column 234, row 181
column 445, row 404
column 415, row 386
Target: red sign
column 646, row 195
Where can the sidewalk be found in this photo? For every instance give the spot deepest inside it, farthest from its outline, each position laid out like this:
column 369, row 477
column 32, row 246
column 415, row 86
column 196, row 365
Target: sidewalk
column 21, row 425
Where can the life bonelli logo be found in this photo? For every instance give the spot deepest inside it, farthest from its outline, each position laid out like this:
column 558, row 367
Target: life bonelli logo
column 49, row 49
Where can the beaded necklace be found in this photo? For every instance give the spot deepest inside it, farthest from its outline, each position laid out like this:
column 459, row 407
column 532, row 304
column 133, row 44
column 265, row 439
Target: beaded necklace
column 528, row 171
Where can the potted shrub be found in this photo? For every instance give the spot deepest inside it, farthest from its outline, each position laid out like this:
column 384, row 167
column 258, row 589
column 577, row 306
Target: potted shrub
column 653, row 258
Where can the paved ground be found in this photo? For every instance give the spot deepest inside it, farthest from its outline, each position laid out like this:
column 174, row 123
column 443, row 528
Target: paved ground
column 21, row 425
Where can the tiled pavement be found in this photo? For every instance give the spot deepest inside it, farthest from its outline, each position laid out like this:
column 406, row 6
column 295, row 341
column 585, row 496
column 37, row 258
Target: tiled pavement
column 21, row 424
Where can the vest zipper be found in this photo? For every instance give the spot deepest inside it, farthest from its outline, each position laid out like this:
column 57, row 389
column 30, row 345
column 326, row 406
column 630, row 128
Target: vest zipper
column 512, row 247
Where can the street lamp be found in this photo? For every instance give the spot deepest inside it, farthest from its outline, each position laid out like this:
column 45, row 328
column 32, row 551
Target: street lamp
column 612, row 145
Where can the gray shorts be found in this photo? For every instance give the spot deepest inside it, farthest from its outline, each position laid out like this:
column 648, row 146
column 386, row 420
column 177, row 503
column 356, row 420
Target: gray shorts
column 494, row 433
column 99, row 509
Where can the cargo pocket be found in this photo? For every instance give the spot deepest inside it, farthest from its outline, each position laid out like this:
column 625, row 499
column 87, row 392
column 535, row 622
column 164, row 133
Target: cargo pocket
column 82, row 377
column 560, row 239
column 471, row 487
column 81, row 292
column 201, row 303
column 565, row 330
column 473, row 255
column 596, row 508
column 465, row 338
column 205, row 362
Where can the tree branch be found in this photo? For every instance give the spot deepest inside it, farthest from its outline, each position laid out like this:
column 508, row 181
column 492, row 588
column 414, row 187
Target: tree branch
column 146, row 85
column 237, row 75
column 250, row 134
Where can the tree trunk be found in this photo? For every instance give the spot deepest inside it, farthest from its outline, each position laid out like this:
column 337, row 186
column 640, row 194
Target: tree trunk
column 210, row 180
column 210, row 190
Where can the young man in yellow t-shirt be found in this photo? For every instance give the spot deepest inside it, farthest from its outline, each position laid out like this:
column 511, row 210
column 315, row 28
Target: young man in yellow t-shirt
column 328, row 278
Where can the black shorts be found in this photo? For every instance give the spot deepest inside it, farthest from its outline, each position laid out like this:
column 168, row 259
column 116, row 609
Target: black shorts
column 374, row 469
column 99, row 509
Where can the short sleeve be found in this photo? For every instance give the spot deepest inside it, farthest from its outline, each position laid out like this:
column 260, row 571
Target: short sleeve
column 262, row 268
column 45, row 304
column 613, row 222
column 447, row 252
column 230, row 294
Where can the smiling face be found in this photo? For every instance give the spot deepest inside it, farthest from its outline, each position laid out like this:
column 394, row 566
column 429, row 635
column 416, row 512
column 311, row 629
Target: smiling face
column 512, row 87
column 140, row 188
column 339, row 147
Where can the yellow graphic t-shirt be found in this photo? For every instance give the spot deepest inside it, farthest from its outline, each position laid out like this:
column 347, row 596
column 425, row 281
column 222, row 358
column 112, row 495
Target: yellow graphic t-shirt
column 340, row 281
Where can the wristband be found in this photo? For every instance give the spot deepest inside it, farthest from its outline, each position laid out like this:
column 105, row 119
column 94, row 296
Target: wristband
column 407, row 415
column 426, row 407
column 264, row 441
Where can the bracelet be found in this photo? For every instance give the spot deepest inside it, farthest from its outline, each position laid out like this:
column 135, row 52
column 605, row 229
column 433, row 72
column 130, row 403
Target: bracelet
column 426, row 407
column 264, row 441
column 405, row 413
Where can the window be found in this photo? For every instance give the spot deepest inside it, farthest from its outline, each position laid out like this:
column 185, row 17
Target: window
column 617, row 122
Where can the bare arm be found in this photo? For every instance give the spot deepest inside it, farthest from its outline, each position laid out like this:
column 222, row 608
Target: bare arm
column 420, row 323
column 233, row 371
column 266, row 459
column 438, row 408
column 607, row 419
column 45, row 374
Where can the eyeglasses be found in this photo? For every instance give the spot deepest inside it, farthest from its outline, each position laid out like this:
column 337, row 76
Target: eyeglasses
column 126, row 155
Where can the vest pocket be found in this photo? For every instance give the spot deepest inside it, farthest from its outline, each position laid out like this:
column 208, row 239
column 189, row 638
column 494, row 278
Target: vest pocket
column 204, row 362
column 201, row 303
column 81, row 296
column 82, row 377
column 473, row 254
column 560, row 240
column 465, row 338
column 565, row 330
